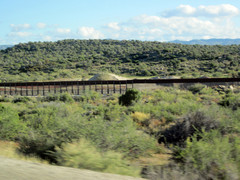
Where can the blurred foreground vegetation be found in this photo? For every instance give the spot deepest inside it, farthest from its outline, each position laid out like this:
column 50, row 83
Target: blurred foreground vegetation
column 198, row 129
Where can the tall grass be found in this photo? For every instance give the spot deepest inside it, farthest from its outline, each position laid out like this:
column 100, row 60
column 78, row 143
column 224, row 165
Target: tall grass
column 82, row 154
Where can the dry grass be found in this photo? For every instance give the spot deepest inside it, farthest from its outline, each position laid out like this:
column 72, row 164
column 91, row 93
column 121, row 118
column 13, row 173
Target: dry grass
column 9, row 149
column 155, row 159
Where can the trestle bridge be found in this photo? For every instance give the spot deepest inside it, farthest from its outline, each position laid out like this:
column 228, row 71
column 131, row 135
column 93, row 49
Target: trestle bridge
column 104, row 87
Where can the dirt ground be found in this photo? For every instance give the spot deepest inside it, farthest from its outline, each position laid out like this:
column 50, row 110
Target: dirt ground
column 11, row 169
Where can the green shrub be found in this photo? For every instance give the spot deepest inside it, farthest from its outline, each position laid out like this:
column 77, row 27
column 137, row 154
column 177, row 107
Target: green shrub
column 66, row 97
column 58, row 123
column 196, row 88
column 216, row 156
column 117, row 135
column 173, row 171
column 129, row 97
column 10, row 125
column 50, row 97
column 49, row 125
column 82, row 154
column 22, row 99
column 35, row 144
column 6, row 98
column 231, row 100
column 88, row 96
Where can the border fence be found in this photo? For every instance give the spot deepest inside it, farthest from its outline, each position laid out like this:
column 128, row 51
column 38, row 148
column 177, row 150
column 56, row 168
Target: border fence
column 104, row 87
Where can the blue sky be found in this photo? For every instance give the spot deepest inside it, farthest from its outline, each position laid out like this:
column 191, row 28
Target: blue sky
column 153, row 20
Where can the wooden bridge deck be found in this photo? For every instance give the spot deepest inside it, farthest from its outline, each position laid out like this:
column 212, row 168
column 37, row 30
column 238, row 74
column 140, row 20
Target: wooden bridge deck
column 104, row 87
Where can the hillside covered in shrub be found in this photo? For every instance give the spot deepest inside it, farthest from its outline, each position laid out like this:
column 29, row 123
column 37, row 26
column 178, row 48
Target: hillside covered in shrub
column 38, row 61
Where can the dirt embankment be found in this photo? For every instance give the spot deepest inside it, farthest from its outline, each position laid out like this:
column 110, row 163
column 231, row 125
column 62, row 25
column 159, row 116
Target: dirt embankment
column 11, row 169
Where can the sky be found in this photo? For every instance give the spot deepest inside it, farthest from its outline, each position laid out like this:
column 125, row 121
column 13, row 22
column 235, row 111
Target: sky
column 147, row 20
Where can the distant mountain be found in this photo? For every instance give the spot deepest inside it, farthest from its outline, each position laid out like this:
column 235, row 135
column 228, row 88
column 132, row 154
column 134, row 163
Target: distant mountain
column 5, row 46
column 209, row 41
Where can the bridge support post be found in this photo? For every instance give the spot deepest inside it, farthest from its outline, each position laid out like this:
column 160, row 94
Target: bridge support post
column 49, row 88
column 15, row 88
column 120, row 88
column 114, row 87
column 21, row 91
column 32, row 89
column 26, row 90
column 95, row 86
column 101, row 88
column 43, row 89
column 78, row 88
column 10, row 87
column 54, row 86
column 72, row 89
column 5, row 90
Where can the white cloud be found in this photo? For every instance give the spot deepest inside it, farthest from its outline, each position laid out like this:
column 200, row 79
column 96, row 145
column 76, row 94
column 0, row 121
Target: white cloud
column 185, row 22
column 41, row 25
column 20, row 34
column 47, row 38
column 20, row 27
column 182, row 27
column 220, row 10
column 63, row 30
column 204, row 11
column 90, row 33
column 187, row 9
column 114, row 26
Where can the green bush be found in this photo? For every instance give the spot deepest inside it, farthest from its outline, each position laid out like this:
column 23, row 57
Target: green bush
column 10, row 125
column 216, row 156
column 82, row 154
column 66, row 97
column 88, row 96
column 129, row 97
column 231, row 100
column 57, row 123
column 6, row 98
column 49, row 125
column 22, row 99
column 196, row 88
column 50, row 97
column 35, row 144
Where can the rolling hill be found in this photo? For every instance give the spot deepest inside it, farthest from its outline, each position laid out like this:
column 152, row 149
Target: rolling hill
column 37, row 61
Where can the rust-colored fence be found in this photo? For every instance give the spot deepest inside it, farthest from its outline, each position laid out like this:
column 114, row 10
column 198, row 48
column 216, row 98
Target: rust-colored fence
column 104, row 87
